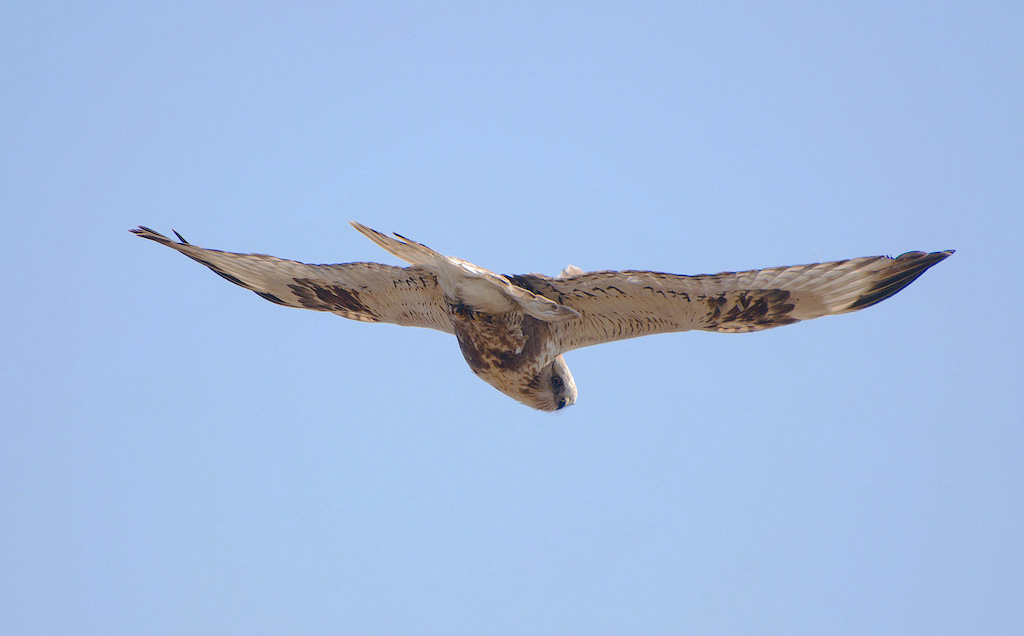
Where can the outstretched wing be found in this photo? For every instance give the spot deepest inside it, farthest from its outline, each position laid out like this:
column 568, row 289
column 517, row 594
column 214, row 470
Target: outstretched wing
column 627, row 304
column 370, row 292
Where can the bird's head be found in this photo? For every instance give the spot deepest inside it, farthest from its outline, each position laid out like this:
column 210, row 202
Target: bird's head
column 551, row 389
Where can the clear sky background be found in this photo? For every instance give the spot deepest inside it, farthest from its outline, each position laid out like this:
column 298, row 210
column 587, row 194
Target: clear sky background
column 179, row 456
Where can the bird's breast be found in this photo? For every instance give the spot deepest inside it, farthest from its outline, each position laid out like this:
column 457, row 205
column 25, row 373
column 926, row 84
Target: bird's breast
column 509, row 341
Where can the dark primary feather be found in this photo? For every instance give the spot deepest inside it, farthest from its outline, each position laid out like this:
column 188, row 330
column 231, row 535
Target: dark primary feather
column 903, row 271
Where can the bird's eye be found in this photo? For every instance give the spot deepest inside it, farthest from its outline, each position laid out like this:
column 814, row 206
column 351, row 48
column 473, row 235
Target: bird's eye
column 556, row 382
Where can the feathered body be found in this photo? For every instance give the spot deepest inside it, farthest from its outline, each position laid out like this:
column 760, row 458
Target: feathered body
column 514, row 329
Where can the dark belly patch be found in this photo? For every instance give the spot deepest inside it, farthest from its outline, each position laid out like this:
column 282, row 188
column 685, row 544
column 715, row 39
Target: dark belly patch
column 510, row 341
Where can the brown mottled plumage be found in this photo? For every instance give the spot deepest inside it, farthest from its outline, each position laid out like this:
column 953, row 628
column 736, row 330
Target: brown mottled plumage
column 513, row 330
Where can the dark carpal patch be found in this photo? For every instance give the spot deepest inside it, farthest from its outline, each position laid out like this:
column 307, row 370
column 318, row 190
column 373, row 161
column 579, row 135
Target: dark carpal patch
column 312, row 294
column 749, row 310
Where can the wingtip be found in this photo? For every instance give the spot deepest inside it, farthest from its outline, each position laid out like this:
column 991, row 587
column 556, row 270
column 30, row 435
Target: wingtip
column 153, row 235
column 150, row 234
column 905, row 270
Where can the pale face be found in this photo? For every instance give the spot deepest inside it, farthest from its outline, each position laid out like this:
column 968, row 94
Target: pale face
column 551, row 389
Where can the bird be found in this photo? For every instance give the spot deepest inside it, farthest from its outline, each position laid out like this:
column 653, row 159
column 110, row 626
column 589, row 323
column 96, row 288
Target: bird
column 514, row 330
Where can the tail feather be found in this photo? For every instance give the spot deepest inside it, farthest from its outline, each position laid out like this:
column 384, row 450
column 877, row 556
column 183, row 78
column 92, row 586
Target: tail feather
column 406, row 249
column 461, row 279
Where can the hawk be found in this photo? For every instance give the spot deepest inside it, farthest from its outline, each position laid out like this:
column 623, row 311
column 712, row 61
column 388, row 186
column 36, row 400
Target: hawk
column 513, row 330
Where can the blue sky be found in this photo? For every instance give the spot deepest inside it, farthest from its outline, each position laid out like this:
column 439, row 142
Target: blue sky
column 179, row 456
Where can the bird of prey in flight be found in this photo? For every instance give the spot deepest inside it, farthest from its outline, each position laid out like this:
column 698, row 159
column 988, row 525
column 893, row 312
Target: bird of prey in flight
column 514, row 329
